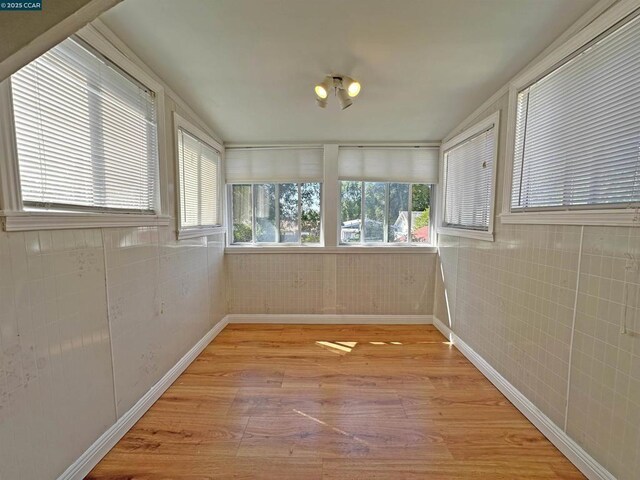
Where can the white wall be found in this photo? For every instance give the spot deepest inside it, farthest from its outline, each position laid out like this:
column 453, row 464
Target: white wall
column 89, row 321
column 513, row 300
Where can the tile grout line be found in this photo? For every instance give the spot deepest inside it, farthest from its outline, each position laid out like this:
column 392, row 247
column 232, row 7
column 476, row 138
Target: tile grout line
column 573, row 330
column 106, row 291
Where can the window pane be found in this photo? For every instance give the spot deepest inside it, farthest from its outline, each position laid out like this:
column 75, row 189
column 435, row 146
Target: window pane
column 310, row 216
column 350, row 211
column 420, row 211
column 242, row 220
column 265, row 211
column 374, row 211
column 288, row 204
column 398, row 224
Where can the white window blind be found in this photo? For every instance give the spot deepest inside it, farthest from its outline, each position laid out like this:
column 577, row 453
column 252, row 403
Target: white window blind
column 199, row 165
column 577, row 141
column 388, row 164
column 86, row 133
column 469, row 182
column 278, row 164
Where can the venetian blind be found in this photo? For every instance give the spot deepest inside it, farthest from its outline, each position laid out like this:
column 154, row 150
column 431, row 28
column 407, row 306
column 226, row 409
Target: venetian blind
column 198, row 164
column 86, row 133
column 469, row 182
column 578, row 129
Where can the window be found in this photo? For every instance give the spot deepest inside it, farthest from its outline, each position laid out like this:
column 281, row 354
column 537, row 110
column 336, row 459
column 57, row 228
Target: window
column 577, row 133
column 198, row 179
column 86, row 134
column 276, row 213
column 469, row 180
column 275, row 194
column 379, row 213
column 385, row 194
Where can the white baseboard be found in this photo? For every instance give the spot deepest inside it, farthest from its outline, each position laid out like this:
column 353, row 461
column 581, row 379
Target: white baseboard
column 90, row 458
column 563, row 442
column 330, row 319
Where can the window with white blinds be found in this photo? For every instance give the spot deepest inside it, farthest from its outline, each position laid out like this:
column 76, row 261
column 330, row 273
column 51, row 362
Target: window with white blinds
column 199, row 166
column 469, row 163
column 86, row 133
column 577, row 137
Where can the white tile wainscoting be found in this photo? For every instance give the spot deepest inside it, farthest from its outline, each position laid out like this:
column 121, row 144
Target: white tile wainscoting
column 353, row 284
column 90, row 320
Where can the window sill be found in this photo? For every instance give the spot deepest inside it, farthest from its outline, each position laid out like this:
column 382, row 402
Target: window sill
column 459, row 232
column 602, row 217
column 29, row 221
column 200, row 232
column 342, row 249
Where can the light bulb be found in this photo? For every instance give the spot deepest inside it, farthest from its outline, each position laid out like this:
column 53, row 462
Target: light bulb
column 352, row 86
column 321, row 92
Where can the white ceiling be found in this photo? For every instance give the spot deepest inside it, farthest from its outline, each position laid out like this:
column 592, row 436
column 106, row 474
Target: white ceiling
column 248, row 67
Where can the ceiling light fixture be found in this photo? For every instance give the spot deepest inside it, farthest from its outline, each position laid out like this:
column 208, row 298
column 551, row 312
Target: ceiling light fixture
column 345, row 88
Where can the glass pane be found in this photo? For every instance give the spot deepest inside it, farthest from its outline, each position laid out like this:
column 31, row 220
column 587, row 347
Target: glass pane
column 421, row 203
column 242, row 220
column 374, row 211
column 398, row 213
column 288, row 204
column 265, row 211
column 350, row 211
column 310, row 216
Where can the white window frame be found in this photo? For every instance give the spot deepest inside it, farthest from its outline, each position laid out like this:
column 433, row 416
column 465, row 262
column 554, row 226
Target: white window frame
column 492, row 120
column 12, row 213
column 597, row 215
column 179, row 123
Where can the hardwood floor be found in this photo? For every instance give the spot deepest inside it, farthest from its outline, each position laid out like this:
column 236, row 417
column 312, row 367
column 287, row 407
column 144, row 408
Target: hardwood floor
column 333, row 402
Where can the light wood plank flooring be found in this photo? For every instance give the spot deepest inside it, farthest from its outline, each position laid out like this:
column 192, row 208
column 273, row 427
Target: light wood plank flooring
column 333, row 402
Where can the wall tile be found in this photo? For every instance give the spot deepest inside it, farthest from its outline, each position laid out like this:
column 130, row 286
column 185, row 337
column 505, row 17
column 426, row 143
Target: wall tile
column 325, row 283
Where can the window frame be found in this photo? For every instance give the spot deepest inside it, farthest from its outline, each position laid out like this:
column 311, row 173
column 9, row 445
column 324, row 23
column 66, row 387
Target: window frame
column 385, row 244
column 596, row 214
column 12, row 212
column 181, row 123
column 492, row 121
column 271, row 245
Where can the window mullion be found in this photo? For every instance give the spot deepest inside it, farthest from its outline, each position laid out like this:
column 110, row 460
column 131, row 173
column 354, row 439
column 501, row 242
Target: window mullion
column 277, row 206
column 299, row 214
column 385, row 223
column 362, row 215
column 410, row 213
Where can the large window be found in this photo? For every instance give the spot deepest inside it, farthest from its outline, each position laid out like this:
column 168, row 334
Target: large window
column 86, row 134
column 276, row 213
column 469, row 180
column 198, row 179
column 577, row 134
column 385, row 213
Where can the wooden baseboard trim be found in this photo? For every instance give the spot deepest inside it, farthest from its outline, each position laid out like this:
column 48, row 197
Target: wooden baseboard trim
column 90, row 458
column 563, row 442
column 331, row 319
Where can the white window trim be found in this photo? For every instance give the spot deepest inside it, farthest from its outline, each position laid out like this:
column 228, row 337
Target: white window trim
column 492, row 120
column 12, row 213
column 180, row 122
column 319, row 249
column 591, row 216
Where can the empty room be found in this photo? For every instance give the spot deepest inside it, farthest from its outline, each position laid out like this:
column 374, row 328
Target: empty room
column 320, row 239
